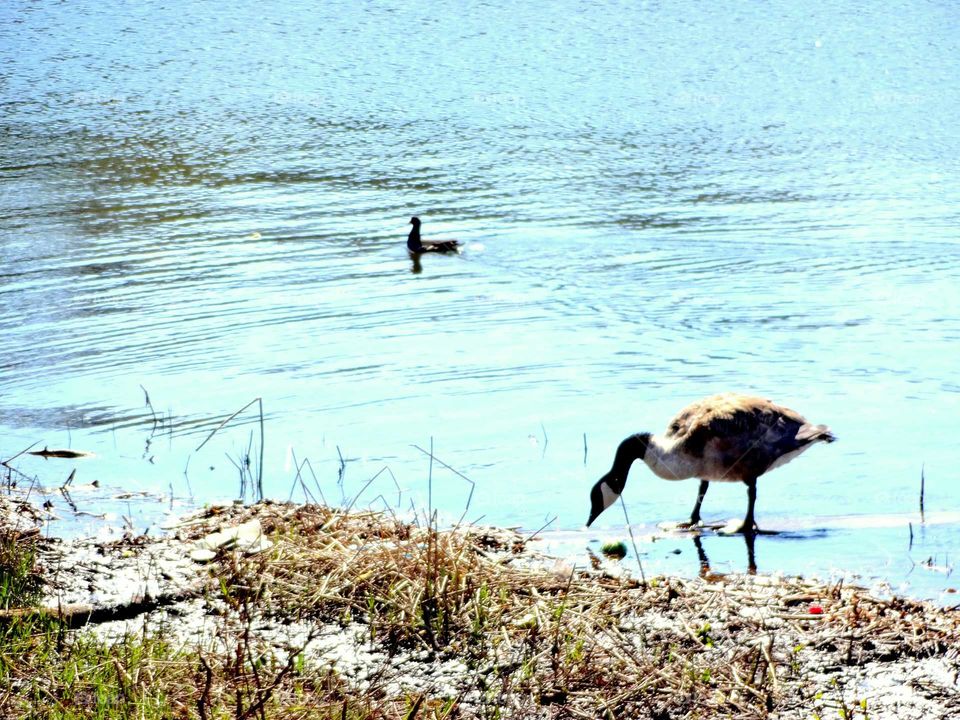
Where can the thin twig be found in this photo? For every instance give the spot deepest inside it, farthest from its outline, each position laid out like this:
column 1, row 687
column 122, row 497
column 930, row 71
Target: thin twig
column 146, row 397
column 218, row 427
column 362, row 490
column 542, row 528
column 456, row 472
column 186, row 476
column 922, row 483
column 260, row 473
column 25, row 450
column 316, row 481
column 430, row 482
column 643, row 579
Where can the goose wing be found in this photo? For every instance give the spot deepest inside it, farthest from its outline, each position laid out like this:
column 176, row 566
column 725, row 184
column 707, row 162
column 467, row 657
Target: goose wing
column 741, row 435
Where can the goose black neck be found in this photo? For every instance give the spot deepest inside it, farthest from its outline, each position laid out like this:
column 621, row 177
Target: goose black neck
column 632, row 448
column 413, row 239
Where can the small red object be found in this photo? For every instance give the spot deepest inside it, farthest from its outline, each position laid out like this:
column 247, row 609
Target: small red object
column 816, row 610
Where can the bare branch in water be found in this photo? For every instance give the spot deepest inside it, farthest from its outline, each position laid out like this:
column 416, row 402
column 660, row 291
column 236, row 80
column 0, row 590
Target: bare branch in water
column 473, row 485
column 220, row 426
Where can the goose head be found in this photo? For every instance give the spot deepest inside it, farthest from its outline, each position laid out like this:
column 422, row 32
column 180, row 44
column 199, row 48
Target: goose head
column 415, row 221
column 608, row 488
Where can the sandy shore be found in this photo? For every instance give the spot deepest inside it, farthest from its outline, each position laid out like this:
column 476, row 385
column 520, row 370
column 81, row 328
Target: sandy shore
column 392, row 618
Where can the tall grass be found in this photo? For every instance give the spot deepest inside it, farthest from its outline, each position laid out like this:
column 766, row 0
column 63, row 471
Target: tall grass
column 20, row 581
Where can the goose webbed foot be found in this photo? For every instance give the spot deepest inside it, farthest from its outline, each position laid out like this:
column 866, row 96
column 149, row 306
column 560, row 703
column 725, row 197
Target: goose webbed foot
column 747, row 527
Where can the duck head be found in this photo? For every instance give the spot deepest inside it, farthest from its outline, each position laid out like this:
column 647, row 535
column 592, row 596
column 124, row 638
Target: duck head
column 415, row 221
column 608, row 488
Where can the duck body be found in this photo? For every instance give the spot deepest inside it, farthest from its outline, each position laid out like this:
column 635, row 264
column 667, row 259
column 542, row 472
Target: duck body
column 416, row 245
column 722, row 438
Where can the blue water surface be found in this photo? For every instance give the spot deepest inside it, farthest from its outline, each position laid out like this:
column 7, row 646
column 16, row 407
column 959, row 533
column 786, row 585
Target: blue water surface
column 203, row 203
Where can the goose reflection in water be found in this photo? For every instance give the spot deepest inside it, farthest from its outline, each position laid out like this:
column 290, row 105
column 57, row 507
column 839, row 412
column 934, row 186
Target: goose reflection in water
column 749, row 539
column 417, row 266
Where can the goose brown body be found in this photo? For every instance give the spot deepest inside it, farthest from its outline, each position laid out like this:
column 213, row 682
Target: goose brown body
column 722, row 438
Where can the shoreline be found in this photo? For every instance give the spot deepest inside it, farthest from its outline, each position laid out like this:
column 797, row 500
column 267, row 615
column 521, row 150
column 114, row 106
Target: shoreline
column 364, row 612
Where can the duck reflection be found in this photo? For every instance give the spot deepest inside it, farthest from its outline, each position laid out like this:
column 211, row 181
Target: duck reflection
column 417, row 267
column 749, row 540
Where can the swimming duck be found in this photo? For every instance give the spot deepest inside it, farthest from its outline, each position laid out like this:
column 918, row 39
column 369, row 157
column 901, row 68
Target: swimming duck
column 416, row 245
column 722, row 438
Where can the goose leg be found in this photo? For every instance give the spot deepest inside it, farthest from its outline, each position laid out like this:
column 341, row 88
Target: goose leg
column 701, row 493
column 695, row 515
column 749, row 524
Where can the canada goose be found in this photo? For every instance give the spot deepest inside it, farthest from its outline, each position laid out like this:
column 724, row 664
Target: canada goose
column 723, row 438
column 416, row 245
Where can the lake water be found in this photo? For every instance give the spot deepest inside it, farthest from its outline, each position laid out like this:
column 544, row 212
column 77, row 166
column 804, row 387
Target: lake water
column 659, row 201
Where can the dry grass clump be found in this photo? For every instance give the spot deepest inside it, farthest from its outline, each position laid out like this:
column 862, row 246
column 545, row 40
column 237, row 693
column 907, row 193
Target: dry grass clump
column 540, row 642
column 416, row 587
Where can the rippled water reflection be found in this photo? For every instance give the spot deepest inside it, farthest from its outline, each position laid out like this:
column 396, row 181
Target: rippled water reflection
column 657, row 203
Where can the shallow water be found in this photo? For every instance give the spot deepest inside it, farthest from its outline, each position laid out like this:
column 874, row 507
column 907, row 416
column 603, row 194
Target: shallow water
column 657, row 203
